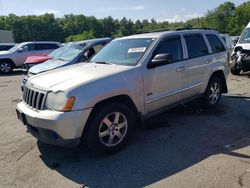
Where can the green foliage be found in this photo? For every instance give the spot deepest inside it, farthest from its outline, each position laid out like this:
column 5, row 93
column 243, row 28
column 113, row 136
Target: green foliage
column 226, row 18
column 239, row 19
column 84, row 36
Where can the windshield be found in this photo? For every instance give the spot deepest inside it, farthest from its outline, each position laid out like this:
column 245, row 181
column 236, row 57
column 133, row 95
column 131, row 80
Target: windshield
column 56, row 52
column 123, row 52
column 68, row 52
column 245, row 38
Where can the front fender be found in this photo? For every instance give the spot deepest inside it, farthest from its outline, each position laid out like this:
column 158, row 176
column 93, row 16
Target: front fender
column 127, row 83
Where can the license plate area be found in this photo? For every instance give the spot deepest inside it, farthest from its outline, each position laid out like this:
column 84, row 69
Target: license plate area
column 21, row 117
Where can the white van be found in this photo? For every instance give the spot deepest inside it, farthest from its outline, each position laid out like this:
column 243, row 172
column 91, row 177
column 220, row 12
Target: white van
column 244, row 40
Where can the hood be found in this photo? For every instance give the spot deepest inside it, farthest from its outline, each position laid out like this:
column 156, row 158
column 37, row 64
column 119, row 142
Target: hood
column 245, row 46
column 75, row 74
column 48, row 65
column 37, row 59
column 2, row 53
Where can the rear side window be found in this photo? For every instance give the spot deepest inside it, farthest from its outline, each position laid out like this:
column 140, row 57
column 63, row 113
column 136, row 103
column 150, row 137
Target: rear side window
column 46, row 46
column 215, row 43
column 5, row 48
column 172, row 46
column 196, row 46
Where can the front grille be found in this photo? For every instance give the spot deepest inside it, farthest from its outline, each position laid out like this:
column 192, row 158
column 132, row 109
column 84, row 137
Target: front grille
column 34, row 99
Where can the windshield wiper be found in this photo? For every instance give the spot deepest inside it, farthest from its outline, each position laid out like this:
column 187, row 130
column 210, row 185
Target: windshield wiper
column 103, row 62
column 60, row 59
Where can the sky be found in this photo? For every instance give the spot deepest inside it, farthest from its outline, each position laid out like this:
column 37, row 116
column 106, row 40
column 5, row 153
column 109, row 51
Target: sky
column 160, row 10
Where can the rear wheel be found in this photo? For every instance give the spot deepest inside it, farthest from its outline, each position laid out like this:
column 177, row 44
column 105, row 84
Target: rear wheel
column 6, row 67
column 213, row 93
column 109, row 128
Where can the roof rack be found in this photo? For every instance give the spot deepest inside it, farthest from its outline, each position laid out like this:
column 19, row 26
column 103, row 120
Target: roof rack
column 154, row 31
column 192, row 28
column 177, row 29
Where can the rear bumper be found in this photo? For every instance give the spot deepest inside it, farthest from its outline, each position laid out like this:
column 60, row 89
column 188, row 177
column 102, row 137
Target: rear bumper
column 52, row 127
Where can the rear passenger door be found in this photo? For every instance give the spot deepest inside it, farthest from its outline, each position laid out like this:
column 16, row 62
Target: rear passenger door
column 44, row 49
column 198, row 63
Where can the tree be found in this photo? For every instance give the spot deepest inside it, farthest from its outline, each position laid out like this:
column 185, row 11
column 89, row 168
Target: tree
column 80, row 37
column 219, row 18
column 239, row 19
column 226, row 18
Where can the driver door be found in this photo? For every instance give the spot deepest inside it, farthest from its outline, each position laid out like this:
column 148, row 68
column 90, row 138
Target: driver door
column 163, row 84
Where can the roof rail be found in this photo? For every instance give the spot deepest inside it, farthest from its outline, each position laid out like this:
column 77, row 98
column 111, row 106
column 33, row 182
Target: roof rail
column 192, row 28
column 153, row 31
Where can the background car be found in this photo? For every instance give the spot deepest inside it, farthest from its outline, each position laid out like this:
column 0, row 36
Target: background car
column 35, row 60
column 72, row 53
column 69, row 54
column 16, row 56
column 6, row 46
column 244, row 40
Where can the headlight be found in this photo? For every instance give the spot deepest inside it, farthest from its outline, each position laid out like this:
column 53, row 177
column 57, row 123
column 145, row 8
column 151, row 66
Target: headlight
column 59, row 101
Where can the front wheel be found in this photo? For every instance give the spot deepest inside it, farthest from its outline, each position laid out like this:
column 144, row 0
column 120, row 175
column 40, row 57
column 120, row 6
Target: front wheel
column 235, row 71
column 6, row 67
column 213, row 93
column 109, row 128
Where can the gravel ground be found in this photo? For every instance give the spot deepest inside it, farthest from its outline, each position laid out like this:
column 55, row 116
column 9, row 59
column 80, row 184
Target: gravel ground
column 186, row 147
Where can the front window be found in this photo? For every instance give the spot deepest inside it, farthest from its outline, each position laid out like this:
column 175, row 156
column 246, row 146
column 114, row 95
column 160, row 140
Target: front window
column 123, row 52
column 245, row 38
column 14, row 48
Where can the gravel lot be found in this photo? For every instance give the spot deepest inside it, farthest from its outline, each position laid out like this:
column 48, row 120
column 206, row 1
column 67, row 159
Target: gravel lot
column 186, row 147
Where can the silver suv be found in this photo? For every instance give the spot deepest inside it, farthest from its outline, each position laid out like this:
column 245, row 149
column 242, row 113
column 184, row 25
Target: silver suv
column 130, row 79
column 16, row 56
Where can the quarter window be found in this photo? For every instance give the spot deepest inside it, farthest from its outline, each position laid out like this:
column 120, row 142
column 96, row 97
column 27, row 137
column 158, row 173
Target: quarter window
column 215, row 44
column 172, row 46
column 196, row 46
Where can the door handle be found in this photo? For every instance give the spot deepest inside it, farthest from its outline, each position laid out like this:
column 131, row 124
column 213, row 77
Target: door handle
column 180, row 69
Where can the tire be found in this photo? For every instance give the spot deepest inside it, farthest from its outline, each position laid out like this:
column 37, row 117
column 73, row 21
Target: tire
column 109, row 128
column 6, row 67
column 213, row 93
column 235, row 71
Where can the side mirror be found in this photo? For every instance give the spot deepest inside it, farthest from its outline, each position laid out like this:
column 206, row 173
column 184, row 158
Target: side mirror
column 238, row 48
column 160, row 60
column 20, row 49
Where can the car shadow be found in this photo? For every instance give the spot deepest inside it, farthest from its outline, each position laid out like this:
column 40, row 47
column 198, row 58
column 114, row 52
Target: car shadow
column 174, row 141
column 14, row 73
column 245, row 74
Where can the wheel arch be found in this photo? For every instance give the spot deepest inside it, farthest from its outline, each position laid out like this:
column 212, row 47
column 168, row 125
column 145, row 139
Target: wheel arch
column 123, row 99
column 8, row 60
column 220, row 74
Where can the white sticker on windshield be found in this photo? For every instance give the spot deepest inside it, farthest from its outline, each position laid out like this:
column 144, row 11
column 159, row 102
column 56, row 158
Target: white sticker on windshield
column 137, row 50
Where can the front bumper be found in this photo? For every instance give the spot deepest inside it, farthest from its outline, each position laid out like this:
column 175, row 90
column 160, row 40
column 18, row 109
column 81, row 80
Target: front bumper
column 52, row 127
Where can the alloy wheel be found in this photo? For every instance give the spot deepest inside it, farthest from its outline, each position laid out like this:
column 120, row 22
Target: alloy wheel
column 113, row 129
column 214, row 93
column 5, row 67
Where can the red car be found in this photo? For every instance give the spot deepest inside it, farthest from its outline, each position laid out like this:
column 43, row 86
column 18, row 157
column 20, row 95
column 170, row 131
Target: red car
column 35, row 60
